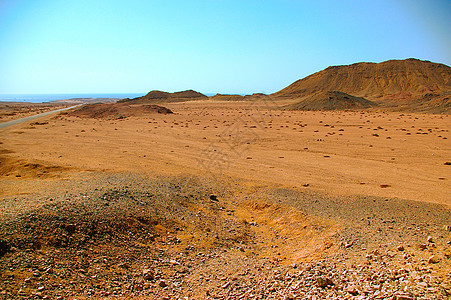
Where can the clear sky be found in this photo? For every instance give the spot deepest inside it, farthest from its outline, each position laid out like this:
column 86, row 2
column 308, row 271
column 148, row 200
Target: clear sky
column 112, row 46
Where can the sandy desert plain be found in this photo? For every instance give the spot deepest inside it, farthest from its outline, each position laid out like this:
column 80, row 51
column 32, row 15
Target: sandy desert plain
column 227, row 200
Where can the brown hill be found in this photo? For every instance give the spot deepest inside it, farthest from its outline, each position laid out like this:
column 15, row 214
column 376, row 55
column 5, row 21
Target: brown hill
column 117, row 110
column 395, row 81
column 332, row 100
column 236, row 97
column 159, row 96
column 227, row 97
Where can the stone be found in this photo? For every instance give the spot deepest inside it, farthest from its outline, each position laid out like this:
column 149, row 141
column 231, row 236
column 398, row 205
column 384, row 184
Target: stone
column 4, row 247
column 124, row 265
column 400, row 248
column 148, row 274
column 430, row 240
column 323, row 281
column 447, row 253
column 162, row 283
column 352, row 290
column 434, row 259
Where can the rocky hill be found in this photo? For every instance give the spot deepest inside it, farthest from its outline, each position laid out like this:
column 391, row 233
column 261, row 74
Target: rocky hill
column 331, row 101
column 227, row 97
column 117, row 110
column 159, row 96
column 409, row 83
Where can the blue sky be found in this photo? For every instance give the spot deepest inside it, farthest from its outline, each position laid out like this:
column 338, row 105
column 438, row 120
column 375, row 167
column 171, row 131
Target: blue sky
column 111, row 46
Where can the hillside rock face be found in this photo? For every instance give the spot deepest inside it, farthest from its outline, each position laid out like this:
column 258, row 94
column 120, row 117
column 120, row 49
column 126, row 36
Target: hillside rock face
column 394, row 82
column 331, row 101
column 159, row 96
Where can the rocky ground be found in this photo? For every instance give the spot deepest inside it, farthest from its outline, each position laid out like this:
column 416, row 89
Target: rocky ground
column 129, row 236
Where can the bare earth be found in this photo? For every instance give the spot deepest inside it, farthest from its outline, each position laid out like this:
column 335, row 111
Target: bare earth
column 227, row 200
column 339, row 152
column 15, row 110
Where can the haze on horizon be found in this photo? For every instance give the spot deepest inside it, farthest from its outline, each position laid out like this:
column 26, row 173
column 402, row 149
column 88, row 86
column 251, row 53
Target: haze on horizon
column 242, row 47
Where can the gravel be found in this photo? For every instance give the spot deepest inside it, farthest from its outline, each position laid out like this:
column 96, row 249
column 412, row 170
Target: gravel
column 130, row 236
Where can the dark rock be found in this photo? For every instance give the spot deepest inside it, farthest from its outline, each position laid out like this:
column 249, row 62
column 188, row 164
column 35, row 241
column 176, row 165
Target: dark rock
column 162, row 283
column 323, row 281
column 148, row 274
column 4, row 247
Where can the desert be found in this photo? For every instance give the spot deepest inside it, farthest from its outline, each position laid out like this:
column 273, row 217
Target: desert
column 327, row 194
column 175, row 196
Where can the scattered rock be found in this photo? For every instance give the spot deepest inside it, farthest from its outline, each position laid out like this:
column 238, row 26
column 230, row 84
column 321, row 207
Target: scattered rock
column 162, row 283
column 402, row 297
column 352, row 290
column 434, row 259
column 124, row 265
column 148, row 274
column 4, row 247
column 323, row 281
column 447, row 253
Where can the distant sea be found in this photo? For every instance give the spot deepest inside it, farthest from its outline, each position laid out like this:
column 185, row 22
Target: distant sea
column 38, row 98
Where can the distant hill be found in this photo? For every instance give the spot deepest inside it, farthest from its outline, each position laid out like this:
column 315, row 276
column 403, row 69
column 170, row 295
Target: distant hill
column 117, row 110
column 394, row 83
column 332, row 100
column 159, row 96
column 227, row 97
column 236, row 97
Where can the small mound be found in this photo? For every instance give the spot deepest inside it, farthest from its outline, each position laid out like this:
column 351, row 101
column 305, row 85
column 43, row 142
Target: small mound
column 159, row 96
column 117, row 110
column 332, row 100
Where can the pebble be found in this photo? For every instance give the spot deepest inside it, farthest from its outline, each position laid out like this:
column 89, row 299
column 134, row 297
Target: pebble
column 148, row 274
column 434, row 259
column 323, row 281
column 162, row 283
